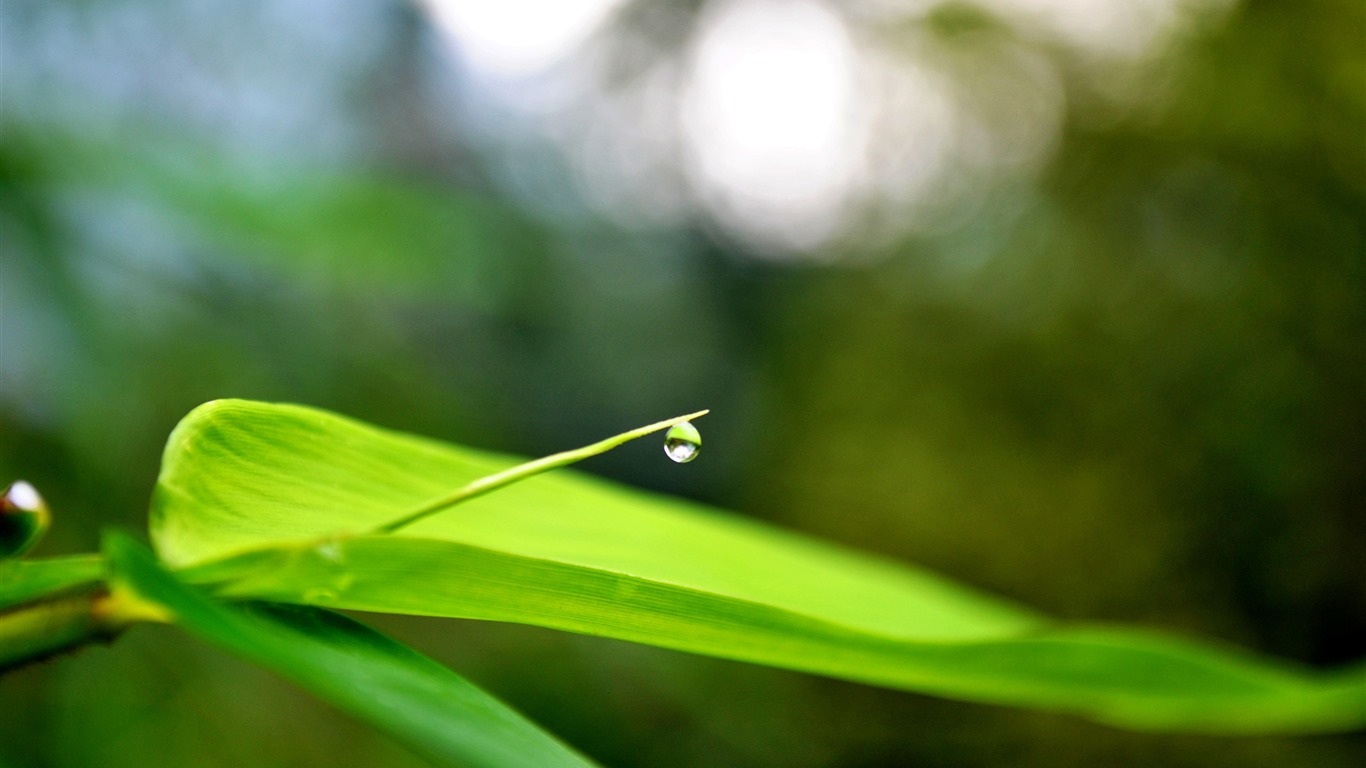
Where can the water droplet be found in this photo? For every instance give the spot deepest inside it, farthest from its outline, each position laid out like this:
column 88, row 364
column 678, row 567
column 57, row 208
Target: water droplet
column 24, row 518
column 316, row 595
column 682, row 442
column 331, row 551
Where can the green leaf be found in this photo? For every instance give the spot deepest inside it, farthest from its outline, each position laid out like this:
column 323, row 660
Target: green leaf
column 268, row 501
column 23, row 581
column 48, row 606
column 417, row 701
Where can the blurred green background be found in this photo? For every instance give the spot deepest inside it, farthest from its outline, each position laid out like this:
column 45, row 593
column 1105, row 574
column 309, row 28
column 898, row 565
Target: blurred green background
column 1064, row 299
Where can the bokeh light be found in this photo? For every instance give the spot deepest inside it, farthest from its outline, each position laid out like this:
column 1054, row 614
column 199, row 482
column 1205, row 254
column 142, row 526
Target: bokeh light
column 772, row 119
column 517, row 38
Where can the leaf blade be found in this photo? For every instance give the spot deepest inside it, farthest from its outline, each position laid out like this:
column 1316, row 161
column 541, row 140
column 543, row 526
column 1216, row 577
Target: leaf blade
column 414, row 699
column 23, row 581
column 256, row 495
column 239, row 475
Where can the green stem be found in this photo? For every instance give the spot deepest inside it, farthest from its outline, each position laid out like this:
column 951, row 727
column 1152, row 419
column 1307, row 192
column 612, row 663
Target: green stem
column 64, row 622
column 35, row 632
column 522, row 471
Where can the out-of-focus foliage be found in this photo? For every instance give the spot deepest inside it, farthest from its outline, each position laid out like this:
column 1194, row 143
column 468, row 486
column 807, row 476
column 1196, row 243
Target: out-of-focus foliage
column 24, row 580
column 1111, row 364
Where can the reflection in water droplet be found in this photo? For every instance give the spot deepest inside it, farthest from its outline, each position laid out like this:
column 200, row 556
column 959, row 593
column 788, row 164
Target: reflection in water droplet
column 24, row 518
column 682, row 442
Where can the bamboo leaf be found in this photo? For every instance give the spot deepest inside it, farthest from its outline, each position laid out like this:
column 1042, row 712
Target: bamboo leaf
column 422, row 704
column 23, row 581
column 274, row 502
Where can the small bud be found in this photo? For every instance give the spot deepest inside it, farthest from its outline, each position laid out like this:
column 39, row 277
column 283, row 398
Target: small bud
column 24, row 518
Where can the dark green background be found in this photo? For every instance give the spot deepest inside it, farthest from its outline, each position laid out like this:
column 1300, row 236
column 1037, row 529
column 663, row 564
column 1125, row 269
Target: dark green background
column 1145, row 401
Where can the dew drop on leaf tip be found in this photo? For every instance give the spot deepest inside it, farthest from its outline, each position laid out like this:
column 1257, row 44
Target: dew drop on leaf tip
column 24, row 518
column 682, row 442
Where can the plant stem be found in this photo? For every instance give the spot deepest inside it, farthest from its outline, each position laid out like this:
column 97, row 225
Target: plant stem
column 522, row 471
column 62, row 623
column 35, row 632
